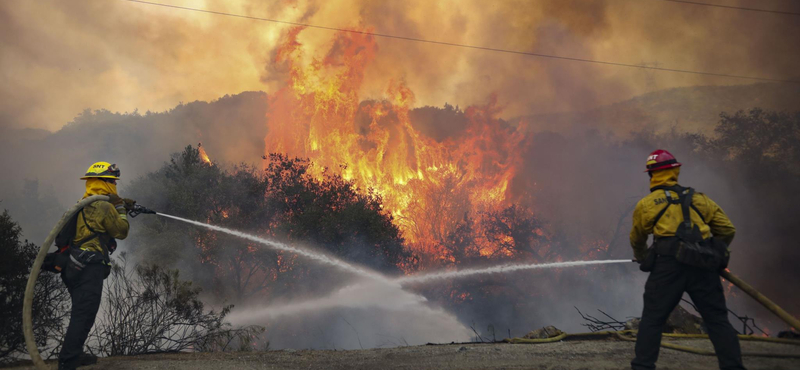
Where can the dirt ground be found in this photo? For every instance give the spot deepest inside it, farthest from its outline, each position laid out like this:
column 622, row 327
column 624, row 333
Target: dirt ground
column 570, row 355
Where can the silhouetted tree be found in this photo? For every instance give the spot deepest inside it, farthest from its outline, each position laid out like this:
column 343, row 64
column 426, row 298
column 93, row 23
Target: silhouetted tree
column 49, row 302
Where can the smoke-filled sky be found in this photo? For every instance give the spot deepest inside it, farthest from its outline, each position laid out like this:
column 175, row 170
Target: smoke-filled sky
column 59, row 57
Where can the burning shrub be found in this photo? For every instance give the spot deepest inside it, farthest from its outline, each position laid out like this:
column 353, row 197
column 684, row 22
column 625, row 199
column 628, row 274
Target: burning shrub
column 284, row 202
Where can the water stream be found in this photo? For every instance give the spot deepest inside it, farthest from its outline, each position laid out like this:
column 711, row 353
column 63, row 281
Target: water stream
column 316, row 256
column 377, row 290
column 421, row 278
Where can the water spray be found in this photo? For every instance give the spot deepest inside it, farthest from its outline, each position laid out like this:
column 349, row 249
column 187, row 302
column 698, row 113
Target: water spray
column 421, row 278
column 363, row 294
column 319, row 257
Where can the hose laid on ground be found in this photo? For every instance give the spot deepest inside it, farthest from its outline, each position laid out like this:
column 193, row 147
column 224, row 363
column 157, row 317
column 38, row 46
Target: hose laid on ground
column 27, row 306
column 622, row 336
column 785, row 316
column 703, row 352
column 735, row 280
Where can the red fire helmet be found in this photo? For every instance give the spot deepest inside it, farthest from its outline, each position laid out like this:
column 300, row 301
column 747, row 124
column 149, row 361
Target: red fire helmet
column 661, row 160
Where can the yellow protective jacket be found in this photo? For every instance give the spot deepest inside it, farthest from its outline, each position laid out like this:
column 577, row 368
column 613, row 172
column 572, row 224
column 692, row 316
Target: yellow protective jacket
column 103, row 218
column 706, row 214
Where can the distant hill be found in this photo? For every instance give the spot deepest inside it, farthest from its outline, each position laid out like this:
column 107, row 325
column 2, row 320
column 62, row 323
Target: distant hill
column 687, row 109
column 231, row 128
column 23, row 133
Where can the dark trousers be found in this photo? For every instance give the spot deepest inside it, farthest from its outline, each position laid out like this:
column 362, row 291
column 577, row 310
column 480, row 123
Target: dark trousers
column 663, row 291
column 86, row 290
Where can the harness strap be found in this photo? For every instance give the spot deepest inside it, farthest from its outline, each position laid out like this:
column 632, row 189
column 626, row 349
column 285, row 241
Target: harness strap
column 91, row 236
column 670, row 200
column 686, row 204
column 679, row 190
column 94, row 234
column 698, row 211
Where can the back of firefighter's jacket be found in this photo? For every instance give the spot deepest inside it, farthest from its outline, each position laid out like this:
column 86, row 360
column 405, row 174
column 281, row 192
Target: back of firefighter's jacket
column 707, row 215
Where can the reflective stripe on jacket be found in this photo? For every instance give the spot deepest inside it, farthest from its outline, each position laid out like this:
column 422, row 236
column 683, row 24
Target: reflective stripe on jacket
column 707, row 215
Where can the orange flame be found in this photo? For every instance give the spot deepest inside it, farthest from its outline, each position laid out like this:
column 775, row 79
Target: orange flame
column 427, row 185
column 203, row 154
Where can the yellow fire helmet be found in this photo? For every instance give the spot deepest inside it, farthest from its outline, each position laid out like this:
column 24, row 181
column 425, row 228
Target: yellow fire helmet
column 103, row 170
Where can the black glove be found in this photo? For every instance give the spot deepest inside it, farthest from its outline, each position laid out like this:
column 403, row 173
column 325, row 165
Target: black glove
column 117, row 202
column 129, row 204
column 114, row 199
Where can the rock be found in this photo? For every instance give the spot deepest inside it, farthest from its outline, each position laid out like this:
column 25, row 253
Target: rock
column 463, row 349
column 633, row 324
column 681, row 321
column 544, row 333
column 789, row 334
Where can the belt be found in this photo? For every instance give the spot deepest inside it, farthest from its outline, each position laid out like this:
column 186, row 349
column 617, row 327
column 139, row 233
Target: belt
column 666, row 245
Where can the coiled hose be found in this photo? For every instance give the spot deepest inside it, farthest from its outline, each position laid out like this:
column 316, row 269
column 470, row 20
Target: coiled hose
column 27, row 306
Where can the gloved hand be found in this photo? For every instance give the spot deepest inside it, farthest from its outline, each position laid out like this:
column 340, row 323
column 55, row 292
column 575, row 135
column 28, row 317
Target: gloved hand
column 114, row 199
column 117, row 202
column 129, row 203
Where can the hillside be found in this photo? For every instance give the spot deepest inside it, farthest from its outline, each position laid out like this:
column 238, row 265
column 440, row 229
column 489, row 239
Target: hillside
column 686, row 109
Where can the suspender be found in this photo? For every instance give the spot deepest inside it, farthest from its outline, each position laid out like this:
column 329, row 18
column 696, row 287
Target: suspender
column 83, row 241
column 94, row 234
column 682, row 198
column 670, row 201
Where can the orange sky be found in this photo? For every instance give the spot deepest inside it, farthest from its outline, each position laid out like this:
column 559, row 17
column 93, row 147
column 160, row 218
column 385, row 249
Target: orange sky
column 58, row 58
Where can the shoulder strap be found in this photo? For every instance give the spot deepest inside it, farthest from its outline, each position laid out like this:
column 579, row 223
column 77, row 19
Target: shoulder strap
column 686, row 204
column 688, row 199
column 91, row 236
column 698, row 213
column 670, row 200
column 675, row 188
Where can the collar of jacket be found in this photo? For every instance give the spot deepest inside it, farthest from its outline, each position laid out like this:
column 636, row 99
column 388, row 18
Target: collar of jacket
column 668, row 177
column 95, row 186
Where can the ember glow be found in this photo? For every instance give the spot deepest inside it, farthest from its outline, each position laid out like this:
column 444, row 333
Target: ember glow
column 427, row 185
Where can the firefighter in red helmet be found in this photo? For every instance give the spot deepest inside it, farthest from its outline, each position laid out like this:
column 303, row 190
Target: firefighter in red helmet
column 682, row 222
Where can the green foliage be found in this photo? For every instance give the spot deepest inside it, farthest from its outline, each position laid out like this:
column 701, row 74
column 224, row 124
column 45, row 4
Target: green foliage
column 49, row 302
column 759, row 138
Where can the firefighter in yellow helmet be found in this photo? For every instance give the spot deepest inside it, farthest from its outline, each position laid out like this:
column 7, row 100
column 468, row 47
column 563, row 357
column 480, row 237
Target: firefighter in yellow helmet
column 663, row 213
column 98, row 225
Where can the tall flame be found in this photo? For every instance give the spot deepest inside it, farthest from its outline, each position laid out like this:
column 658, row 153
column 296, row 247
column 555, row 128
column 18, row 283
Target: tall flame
column 203, row 154
column 427, row 185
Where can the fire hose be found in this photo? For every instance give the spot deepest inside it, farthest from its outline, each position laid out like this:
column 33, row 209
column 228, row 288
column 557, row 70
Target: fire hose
column 27, row 305
column 766, row 302
column 727, row 275
column 760, row 298
column 624, row 335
